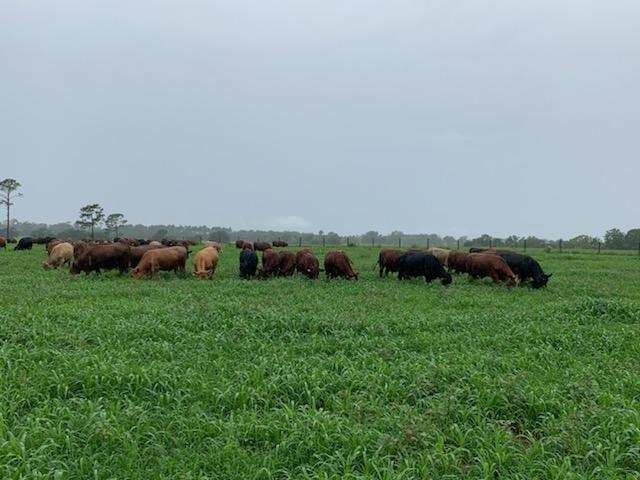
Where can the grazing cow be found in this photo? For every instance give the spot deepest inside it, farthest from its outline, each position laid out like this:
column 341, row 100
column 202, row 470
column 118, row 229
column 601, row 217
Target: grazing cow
column 524, row 267
column 161, row 259
column 302, row 251
column 307, row 264
column 132, row 242
column 338, row 264
column 422, row 264
column 270, row 263
column 442, row 254
column 242, row 245
column 42, row 240
column 89, row 257
column 3, row 242
column 216, row 245
column 177, row 243
column 388, row 261
column 482, row 249
column 457, row 262
column 61, row 253
column 205, row 263
column 248, row 263
column 287, row 264
column 53, row 243
column 25, row 243
column 280, row 243
column 139, row 251
column 481, row 265
column 261, row 246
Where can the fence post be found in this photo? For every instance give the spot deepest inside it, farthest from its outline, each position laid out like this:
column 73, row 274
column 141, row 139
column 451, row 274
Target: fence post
column 458, row 245
column 428, row 242
column 299, row 241
column 400, row 244
column 639, row 248
column 373, row 240
column 598, row 246
column 323, row 241
column 525, row 244
column 560, row 244
column 490, row 242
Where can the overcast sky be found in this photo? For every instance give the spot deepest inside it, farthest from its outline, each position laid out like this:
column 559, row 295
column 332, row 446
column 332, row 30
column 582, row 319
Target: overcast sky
column 448, row 117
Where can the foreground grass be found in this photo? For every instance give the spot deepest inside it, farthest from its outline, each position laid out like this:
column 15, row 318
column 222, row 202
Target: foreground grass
column 107, row 377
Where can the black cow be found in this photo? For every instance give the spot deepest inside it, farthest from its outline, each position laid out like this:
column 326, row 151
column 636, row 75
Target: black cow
column 420, row 264
column 43, row 240
column 248, row 263
column 25, row 243
column 524, row 267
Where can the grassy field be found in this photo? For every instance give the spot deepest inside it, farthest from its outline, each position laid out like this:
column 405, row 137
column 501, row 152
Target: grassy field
column 107, row 377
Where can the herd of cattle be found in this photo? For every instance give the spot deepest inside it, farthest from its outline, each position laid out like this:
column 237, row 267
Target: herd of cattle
column 145, row 258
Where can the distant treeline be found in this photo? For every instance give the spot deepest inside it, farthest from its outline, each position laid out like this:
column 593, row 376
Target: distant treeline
column 613, row 239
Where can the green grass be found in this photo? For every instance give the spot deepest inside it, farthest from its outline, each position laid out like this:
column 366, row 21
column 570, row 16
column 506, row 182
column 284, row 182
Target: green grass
column 107, row 377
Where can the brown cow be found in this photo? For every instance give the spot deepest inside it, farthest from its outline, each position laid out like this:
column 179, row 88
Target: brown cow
column 155, row 260
column 216, row 245
column 205, row 263
column 155, row 243
column 388, row 261
column 261, row 246
column 337, row 264
column 302, row 251
column 132, row 242
column 307, row 264
column 457, row 261
column 270, row 263
column 89, row 257
column 243, row 245
column 139, row 251
column 481, row 265
column 3, row 242
column 287, row 264
column 61, row 254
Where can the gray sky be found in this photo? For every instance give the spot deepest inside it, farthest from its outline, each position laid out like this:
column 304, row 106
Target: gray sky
column 455, row 118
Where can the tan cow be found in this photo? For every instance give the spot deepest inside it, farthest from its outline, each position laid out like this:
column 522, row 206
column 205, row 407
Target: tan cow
column 205, row 263
column 155, row 260
column 216, row 245
column 441, row 254
column 61, row 254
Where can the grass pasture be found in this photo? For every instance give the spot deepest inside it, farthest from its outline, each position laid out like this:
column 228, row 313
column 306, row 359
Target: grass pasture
column 107, row 377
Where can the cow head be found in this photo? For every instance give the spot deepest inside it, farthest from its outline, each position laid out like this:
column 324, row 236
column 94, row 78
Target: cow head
column 137, row 273
column 202, row 274
column 75, row 268
column 541, row 280
column 446, row 279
